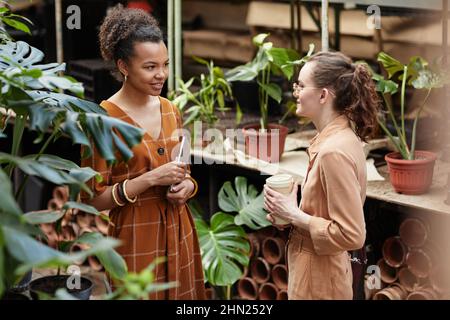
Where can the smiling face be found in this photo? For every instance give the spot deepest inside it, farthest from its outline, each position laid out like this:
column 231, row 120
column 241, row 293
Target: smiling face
column 307, row 95
column 148, row 68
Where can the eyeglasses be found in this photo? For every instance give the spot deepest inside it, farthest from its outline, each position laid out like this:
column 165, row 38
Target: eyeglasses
column 299, row 88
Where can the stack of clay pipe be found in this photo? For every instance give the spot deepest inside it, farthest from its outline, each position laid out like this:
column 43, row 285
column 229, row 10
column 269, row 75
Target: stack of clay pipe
column 73, row 225
column 266, row 277
column 410, row 267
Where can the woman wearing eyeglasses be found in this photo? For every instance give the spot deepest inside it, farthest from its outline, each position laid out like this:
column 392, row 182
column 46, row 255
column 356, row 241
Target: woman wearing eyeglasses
column 340, row 99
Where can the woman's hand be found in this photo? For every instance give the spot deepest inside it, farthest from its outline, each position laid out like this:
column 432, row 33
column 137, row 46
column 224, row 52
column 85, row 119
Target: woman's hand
column 279, row 205
column 285, row 207
column 167, row 174
column 180, row 193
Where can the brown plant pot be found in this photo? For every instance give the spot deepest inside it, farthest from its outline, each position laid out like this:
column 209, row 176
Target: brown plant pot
column 420, row 262
column 262, row 145
column 411, row 176
column 268, row 291
column 414, row 232
column 260, row 270
column 248, row 289
column 280, row 276
column 388, row 274
column 394, row 252
column 273, row 250
column 282, row 295
column 423, row 294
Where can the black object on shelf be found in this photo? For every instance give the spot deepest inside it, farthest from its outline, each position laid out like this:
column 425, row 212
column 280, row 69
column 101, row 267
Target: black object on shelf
column 95, row 74
column 246, row 93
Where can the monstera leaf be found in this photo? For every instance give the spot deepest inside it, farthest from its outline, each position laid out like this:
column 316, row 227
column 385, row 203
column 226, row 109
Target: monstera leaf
column 224, row 247
column 19, row 62
column 72, row 175
column 245, row 201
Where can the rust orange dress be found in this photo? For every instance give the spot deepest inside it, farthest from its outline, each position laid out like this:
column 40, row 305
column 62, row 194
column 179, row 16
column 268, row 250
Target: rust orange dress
column 152, row 227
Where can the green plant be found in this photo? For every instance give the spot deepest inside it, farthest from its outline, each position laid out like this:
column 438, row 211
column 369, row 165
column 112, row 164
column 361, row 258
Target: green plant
column 32, row 97
column 268, row 61
column 223, row 242
column 208, row 99
column 417, row 74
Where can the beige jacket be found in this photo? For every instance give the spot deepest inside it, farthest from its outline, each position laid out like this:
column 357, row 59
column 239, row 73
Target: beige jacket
column 333, row 193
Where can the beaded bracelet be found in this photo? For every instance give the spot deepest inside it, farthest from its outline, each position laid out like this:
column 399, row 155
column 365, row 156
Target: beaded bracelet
column 113, row 193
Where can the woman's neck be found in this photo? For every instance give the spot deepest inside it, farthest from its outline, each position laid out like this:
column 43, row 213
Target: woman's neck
column 324, row 120
column 134, row 97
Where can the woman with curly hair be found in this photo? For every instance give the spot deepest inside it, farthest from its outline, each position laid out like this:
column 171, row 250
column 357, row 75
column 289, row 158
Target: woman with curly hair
column 149, row 217
column 340, row 99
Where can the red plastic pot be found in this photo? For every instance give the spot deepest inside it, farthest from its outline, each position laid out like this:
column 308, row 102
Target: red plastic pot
column 267, row 145
column 411, row 176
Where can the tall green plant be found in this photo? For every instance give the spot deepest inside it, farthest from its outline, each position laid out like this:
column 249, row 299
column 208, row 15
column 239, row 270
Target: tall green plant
column 269, row 60
column 417, row 74
column 203, row 103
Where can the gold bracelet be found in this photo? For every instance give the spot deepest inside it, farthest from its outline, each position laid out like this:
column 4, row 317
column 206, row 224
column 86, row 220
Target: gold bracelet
column 113, row 193
column 124, row 185
column 195, row 187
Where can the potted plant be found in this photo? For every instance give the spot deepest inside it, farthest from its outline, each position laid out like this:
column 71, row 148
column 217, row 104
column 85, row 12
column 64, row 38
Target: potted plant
column 266, row 140
column 223, row 242
column 410, row 170
column 202, row 104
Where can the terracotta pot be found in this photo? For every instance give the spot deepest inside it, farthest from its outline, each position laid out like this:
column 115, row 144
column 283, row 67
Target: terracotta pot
column 266, row 232
column 282, row 295
column 268, row 291
column 394, row 292
column 101, row 224
column 273, row 250
column 78, row 247
column 394, row 252
column 61, row 194
column 260, row 270
column 423, row 294
column 280, row 276
column 408, row 280
column 411, row 176
column 55, row 204
column 254, row 245
column 419, row 262
column 414, row 232
column 84, row 220
column 248, row 289
column 94, row 263
column 267, row 146
column 388, row 274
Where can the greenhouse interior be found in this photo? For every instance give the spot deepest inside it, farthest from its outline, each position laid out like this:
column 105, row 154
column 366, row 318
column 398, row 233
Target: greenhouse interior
column 224, row 150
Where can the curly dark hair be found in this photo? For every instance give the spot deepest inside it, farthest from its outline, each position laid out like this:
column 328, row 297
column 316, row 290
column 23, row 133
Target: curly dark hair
column 356, row 95
column 121, row 29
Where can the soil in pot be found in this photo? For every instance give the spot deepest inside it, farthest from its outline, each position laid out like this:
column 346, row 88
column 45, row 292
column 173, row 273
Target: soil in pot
column 51, row 284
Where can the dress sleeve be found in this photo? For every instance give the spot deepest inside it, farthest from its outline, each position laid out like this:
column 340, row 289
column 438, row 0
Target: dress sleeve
column 345, row 230
column 97, row 163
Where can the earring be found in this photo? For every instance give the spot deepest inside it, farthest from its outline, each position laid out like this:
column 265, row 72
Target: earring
column 126, row 77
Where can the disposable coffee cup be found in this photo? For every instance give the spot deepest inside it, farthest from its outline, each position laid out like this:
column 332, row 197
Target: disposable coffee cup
column 282, row 183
